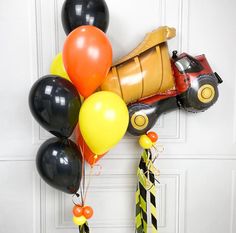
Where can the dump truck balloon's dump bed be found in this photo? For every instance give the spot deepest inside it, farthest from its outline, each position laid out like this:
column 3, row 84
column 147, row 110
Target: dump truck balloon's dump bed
column 146, row 71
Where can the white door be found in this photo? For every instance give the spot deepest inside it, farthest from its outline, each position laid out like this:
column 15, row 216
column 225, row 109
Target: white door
column 197, row 193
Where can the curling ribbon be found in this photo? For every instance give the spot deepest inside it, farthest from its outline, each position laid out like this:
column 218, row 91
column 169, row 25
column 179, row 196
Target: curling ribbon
column 146, row 186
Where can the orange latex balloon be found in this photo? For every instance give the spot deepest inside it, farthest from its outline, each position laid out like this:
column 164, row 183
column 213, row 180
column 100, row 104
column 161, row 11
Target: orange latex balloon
column 89, row 156
column 87, row 212
column 78, row 211
column 153, row 136
column 87, row 57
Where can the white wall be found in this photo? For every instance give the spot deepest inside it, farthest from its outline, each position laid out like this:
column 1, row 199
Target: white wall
column 198, row 168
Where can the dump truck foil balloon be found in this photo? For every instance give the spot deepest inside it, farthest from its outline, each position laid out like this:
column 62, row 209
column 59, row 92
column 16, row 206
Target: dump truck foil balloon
column 150, row 82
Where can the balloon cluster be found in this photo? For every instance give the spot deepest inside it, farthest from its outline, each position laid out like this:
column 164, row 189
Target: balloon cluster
column 55, row 102
column 81, row 214
column 82, row 71
column 147, row 141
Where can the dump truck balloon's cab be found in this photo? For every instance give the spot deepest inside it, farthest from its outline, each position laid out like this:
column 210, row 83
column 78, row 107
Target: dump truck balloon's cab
column 196, row 84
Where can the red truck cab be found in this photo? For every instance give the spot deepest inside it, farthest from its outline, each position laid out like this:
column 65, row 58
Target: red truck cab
column 196, row 83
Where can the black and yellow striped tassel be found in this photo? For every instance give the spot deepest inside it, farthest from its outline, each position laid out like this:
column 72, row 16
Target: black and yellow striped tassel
column 141, row 207
column 138, row 219
column 84, row 228
column 153, row 200
column 146, row 185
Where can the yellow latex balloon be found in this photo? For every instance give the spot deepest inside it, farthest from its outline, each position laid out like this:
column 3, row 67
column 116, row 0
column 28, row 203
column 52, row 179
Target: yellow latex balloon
column 145, row 142
column 57, row 67
column 79, row 220
column 103, row 121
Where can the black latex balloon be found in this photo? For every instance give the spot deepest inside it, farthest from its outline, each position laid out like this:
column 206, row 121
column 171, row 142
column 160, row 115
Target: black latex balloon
column 76, row 13
column 55, row 104
column 59, row 163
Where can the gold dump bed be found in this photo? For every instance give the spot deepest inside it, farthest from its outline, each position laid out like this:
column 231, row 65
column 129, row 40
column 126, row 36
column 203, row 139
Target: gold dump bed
column 144, row 72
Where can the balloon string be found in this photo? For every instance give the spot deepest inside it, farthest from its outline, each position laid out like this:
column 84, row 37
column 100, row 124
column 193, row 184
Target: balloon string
column 158, row 149
column 99, row 171
column 83, row 174
column 83, row 190
column 96, row 165
column 89, row 181
column 91, row 174
column 150, row 160
column 75, row 195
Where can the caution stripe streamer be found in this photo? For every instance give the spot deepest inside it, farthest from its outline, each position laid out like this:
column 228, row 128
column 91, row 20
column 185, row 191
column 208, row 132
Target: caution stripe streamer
column 84, row 228
column 153, row 200
column 138, row 219
column 141, row 203
column 146, row 185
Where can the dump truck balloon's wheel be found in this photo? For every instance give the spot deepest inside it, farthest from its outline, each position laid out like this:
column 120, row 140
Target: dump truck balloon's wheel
column 202, row 94
column 141, row 118
column 206, row 93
